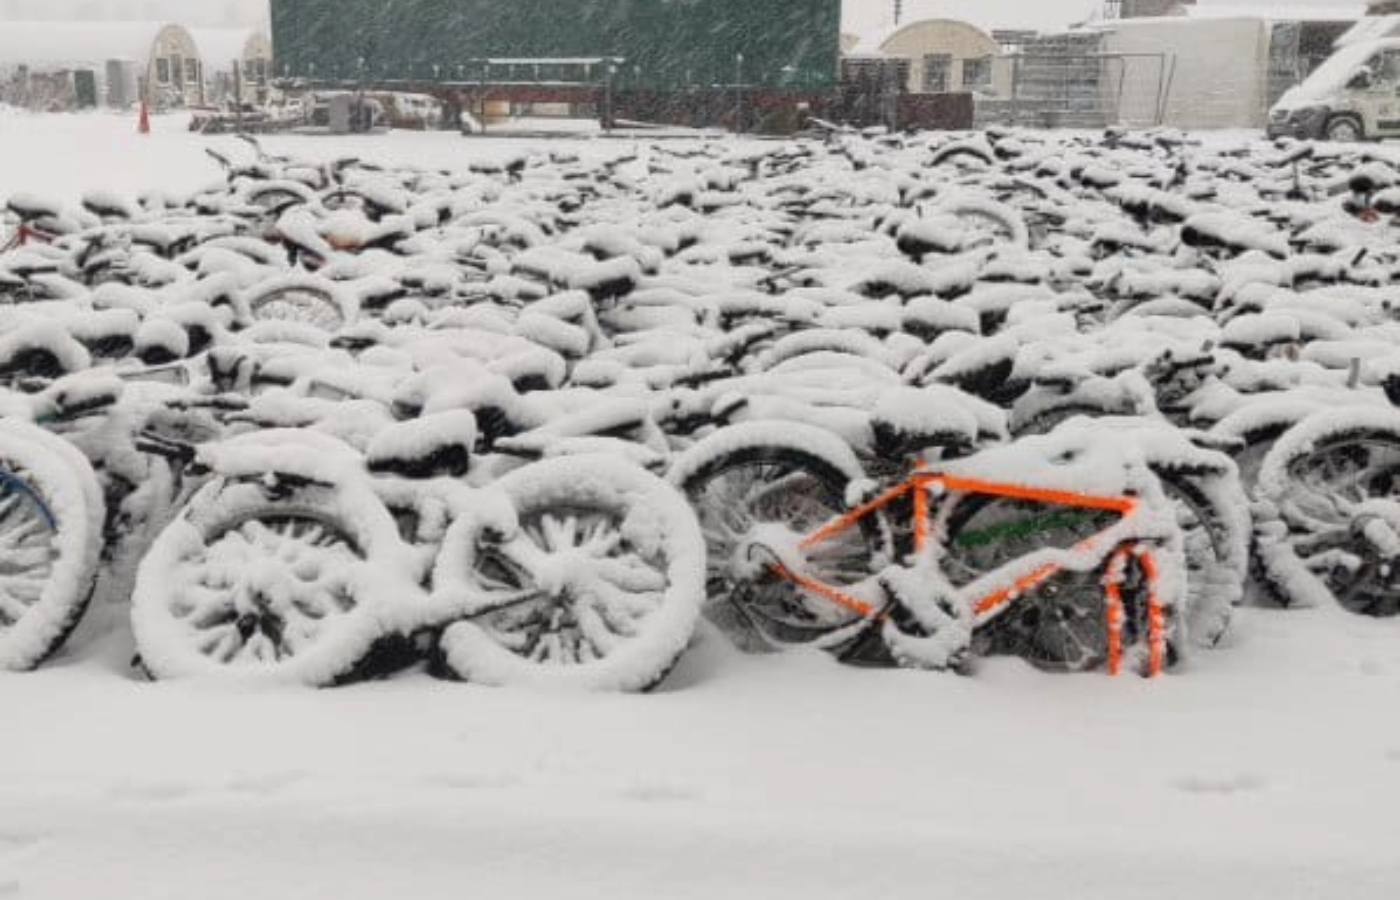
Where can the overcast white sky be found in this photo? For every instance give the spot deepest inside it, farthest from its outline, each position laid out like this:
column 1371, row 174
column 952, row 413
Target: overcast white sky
column 207, row 13
column 861, row 16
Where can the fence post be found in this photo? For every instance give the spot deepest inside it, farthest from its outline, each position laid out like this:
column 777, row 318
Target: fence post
column 1165, row 91
column 238, row 96
column 1016, row 89
column 1122, row 83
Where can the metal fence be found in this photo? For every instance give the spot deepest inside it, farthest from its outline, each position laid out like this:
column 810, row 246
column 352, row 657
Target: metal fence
column 1083, row 90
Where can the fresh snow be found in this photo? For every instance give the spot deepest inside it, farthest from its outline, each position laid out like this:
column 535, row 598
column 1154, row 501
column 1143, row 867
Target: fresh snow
column 1263, row 767
column 1262, row 770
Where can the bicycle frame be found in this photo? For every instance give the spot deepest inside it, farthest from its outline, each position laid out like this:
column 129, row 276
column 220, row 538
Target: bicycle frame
column 24, row 235
column 923, row 486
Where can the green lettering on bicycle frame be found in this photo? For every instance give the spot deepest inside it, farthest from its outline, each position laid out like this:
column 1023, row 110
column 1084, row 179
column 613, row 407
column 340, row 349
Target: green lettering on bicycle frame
column 1067, row 518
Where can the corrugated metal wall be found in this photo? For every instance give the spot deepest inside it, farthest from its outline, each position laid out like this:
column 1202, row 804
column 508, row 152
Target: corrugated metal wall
column 667, row 43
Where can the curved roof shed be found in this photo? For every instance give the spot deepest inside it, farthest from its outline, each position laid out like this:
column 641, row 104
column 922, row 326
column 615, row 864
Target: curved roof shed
column 944, row 55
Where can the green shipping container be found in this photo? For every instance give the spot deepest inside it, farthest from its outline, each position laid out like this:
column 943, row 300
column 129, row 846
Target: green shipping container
column 666, row 44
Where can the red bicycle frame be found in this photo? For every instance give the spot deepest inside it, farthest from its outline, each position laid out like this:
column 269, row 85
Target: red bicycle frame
column 23, row 235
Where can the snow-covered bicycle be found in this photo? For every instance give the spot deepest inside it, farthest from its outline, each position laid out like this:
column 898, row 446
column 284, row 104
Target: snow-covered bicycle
column 51, row 514
column 1060, row 549
column 1328, row 511
column 302, row 560
column 284, row 554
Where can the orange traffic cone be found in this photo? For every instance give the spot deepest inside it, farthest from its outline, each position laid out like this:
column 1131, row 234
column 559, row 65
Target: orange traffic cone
column 144, row 126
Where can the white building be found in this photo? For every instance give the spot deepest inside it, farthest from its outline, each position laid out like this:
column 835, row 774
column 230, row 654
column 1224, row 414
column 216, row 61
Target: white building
column 249, row 50
column 1224, row 65
column 99, row 63
column 936, row 56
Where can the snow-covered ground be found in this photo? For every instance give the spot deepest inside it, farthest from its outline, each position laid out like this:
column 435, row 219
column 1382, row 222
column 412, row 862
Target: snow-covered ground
column 62, row 156
column 1266, row 769
column 1269, row 767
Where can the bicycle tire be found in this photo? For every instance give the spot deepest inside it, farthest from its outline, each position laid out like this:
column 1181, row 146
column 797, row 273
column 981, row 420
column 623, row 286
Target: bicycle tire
column 1060, row 626
column 50, row 539
column 756, row 608
column 282, row 584
column 600, row 581
column 1310, row 543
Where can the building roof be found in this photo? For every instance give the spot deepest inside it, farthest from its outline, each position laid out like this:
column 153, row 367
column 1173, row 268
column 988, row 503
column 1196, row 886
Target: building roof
column 987, row 15
column 53, row 43
column 1279, row 12
column 1237, row 14
column 871, row 45
column 1058, row 16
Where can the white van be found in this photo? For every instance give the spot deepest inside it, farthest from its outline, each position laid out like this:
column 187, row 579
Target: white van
column 1354, row 95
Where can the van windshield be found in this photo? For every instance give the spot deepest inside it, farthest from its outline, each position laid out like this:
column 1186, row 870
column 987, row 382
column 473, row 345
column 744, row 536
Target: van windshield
column 1331, row 76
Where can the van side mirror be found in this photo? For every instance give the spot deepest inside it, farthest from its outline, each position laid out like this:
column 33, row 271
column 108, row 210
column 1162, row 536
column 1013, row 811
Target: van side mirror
column 1360, row 81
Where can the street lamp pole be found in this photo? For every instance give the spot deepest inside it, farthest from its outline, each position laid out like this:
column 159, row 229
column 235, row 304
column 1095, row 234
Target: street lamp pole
column 358, row 111
column 739, row 93
column 608, row 95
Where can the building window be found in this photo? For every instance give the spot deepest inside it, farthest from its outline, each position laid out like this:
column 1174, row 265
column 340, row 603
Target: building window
column 936, row 70
column 977, row 74
column 177, row 66
column 192, row 70
column 163, row 71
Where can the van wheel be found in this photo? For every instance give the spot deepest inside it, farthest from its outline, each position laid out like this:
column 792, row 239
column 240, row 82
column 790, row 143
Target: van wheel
column 1346, row 129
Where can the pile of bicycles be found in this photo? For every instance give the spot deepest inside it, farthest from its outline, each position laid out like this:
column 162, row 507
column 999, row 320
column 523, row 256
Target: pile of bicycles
column 909, row 399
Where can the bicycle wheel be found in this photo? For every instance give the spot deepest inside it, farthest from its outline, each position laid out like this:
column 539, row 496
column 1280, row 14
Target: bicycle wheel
column 275, row 198
column 1060, row 625
column 758, row 491
column 989, row 223
column 50, row 539
column 1328, row 481
column 305, row 300
column 1212, row 513
column 283, row 584
column 1046, row 420
column 596, row 585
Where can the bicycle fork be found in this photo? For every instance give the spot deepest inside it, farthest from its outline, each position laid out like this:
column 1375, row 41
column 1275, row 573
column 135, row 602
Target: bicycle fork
column 1116, row 613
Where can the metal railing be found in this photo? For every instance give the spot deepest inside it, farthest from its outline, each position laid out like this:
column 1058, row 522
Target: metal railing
column 1083, row 90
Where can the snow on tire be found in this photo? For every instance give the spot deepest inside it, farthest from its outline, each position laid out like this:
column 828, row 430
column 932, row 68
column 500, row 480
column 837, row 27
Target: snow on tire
column 50, row 538
column 1213, row 514
column 1001, row 223
column 1331, row 491
column 760, row 488
column 262, row 580
column 1060, row 625
column 596, row 585
column 303, row 299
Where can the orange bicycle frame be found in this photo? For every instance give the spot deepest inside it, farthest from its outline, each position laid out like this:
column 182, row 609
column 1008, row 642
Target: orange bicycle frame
column 923, row 486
